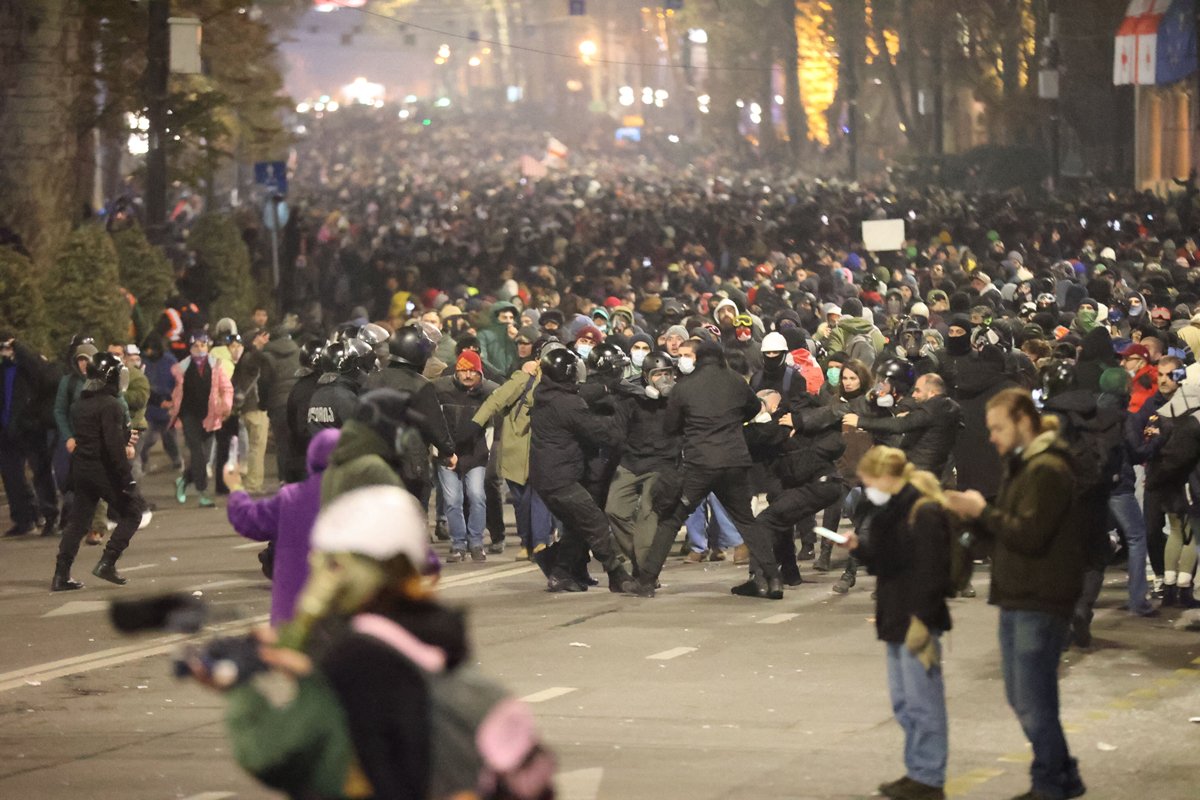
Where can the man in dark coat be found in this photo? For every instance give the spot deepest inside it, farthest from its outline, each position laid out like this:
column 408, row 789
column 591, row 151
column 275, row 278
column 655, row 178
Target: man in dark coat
column 708, row 409
column 27, row 388
column 281, row 363
column 560, row 427
column 929, row 423
column 100, row 470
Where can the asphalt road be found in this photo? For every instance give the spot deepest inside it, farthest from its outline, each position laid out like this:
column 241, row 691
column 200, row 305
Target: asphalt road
column 696, row 694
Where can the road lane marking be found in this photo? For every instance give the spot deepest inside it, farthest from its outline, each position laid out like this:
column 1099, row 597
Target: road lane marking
column 674, row 652
column 77, row 607
column 224, row 584
column 211, row 796
column 548, row 694
column 580, row 784
column 249, row 545
column 487, row 577
column 777, row 618
column 116, row 656
column 139, row 566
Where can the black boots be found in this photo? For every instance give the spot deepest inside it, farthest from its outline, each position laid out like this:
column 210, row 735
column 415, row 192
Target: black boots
column 107, row 569
column 1186, row 598
column 61, row 582
column 1170, row 595
column 822, row 562
column 621, row 582
column 758, row 586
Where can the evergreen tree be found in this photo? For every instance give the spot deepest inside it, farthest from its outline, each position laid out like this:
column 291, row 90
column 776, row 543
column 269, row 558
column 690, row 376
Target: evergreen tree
column 224, row 263
column 83, row 290
column 22, row 309
column 145, row 271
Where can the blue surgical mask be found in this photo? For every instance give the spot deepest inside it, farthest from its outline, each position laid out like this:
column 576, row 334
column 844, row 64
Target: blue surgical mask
column 687, row 365
column 583, row 350
column 877, row 497
column 637, row 357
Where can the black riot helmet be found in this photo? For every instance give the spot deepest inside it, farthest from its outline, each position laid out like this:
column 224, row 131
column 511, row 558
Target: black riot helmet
column 375, row 337
column 607, row 360
column 107, row 371
column 310, row 353
column 560, row 365
column 410, row 345
column 344, row 332
column 656, row 362
column 348, row 357
column 1058, row 377
column 899, row 374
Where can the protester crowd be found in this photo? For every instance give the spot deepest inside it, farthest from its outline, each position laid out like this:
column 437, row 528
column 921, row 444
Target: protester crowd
column 625, row 347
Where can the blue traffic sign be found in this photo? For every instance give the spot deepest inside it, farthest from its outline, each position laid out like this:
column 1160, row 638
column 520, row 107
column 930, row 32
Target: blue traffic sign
column 271, row 174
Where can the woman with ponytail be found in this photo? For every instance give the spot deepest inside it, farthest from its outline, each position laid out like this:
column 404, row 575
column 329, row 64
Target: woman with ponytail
column 905, row 542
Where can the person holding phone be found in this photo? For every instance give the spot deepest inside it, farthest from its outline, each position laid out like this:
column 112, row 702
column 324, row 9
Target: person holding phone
column 904, row 542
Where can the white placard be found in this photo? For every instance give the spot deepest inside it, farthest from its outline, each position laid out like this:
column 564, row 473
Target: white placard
column 879, row 235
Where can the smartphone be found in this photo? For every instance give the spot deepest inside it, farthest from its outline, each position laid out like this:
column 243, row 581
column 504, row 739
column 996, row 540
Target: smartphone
column 232, row 461
column 645, row 263
column 832, row 536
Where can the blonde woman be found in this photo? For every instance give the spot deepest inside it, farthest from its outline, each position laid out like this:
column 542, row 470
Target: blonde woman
column 905, row 543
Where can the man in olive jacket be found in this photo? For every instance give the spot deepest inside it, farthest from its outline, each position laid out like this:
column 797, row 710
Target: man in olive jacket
column 1037, row 574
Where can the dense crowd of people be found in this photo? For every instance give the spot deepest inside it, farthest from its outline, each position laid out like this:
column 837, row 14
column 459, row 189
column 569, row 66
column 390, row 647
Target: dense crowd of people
column 627, row 346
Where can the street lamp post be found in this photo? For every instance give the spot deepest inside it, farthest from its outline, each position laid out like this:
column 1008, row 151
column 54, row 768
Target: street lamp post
column 157, row 72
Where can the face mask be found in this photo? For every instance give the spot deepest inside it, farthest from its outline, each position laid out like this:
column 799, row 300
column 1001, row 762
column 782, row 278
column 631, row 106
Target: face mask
column 958, row 345
column 877, row 497
column 637, row 357
column 743, row 334
column 763, row 416
column 773, row 361
column 687, row 365
column 1136, row 311
column 834, row 375
column 885, row 401
column 584, row 350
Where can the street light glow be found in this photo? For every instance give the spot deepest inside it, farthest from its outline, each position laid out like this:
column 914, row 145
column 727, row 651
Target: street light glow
column 587, row 48
column 474, row 61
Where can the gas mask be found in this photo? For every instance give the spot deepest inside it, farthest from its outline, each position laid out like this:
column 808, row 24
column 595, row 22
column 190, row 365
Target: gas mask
column 660, row 385
column 338, row 583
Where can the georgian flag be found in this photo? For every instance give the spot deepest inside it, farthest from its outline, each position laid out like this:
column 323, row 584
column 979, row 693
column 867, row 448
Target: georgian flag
column 1136, row 54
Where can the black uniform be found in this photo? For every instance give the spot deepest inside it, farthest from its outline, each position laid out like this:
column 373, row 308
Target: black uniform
column 297, row 422
column 707, row 409
column 332, row 403
column 100, row 471
column 560, row 426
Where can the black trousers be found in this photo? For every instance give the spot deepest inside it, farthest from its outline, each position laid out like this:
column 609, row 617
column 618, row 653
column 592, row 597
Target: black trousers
column 284, row 458
column 584, row 526
column 788, row 508
column 1156, row 539
column 731, row 485
column 26, row 503
column 225, row 434
column 126, row 505
column 197, row 439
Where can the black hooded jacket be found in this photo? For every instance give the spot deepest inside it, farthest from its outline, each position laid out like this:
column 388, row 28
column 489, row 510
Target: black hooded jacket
column 708, row 409
column 560, row 426
column 978, row 464
column 1095, row 356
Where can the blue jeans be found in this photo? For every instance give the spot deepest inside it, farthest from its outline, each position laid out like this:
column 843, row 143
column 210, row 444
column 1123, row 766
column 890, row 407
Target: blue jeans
column 919, row 703
column 466, row 525
column 698, row 526
column 1128, row 514
column 534, row 523
column 1031, row 643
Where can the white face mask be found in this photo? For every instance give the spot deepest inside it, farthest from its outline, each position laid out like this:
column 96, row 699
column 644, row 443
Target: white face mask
column 583, row 350
column 687, row 365
column 877, row 497
column 763, row 416
column 885, row 401
column 637, row 357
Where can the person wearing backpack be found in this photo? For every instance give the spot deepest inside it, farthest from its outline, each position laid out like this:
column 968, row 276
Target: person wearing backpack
column 858, row 338
column 1037, row 575
column 905, row 543
column 1095, row 438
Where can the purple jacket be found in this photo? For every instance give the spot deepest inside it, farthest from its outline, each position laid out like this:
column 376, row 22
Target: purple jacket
column 287, row 519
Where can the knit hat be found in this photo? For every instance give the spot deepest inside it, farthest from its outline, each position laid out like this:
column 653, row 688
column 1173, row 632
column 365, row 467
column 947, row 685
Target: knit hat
column 1114, row 380
column 676, row 330
column 919, row 310
column 590, row 333
column 527, row 335
column 469, row 361
column 449, row 310
column 852, row 307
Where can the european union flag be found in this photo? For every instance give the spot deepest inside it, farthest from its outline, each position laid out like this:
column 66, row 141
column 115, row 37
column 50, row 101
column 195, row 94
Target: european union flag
column 1177, row 43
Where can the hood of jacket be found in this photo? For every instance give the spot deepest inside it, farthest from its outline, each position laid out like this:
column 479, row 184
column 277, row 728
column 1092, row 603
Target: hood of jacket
column 855, row 325
column 1097, row 346
column 1185, row 401
column 283, row 347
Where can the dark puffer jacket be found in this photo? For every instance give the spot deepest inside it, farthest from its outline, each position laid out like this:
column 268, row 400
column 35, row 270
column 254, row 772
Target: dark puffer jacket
column 929, row 430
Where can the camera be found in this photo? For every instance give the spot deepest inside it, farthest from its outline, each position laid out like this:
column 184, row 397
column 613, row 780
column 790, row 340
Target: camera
column 230, row 660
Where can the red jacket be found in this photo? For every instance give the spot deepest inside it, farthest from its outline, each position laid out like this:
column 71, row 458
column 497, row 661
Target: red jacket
column 1144, row 386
